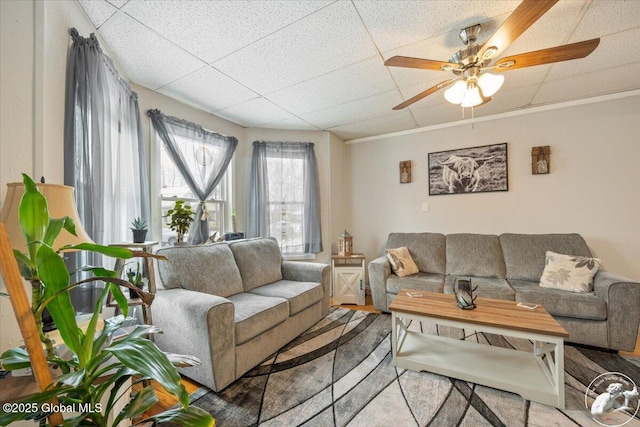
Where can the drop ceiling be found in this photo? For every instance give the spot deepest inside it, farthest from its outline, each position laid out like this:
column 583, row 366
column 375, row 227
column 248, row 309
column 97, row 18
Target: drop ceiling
column 318, row 65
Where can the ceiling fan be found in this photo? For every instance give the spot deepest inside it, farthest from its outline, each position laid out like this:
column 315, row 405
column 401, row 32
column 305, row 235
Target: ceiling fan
column 473, row 85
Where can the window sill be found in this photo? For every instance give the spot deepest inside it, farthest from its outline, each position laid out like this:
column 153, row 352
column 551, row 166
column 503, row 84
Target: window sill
column 299, row 257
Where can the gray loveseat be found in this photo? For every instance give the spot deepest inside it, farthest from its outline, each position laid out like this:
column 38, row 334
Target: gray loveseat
column 509, row 267
column 234, row 304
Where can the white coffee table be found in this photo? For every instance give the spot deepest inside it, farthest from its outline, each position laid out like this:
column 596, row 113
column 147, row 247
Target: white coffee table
column 536, row 375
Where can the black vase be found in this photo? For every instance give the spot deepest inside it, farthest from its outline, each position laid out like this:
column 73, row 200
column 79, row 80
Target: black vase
column 139, row 236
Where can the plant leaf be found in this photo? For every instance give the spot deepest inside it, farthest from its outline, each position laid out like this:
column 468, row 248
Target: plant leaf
column 15, row 358
column 72, row 379
column 189, row 417
column 142, row 401
column 24, row 260
column 145, row 357
column 53, row 230
column 55, row 277
column 33, row 214
column 110, row 251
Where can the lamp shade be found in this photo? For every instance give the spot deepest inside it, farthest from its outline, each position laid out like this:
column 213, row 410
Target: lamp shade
column 455, row 94
column 472, row 97
column 490, row 83
column 61, row 203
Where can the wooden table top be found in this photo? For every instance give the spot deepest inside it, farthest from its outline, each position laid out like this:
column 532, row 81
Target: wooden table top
column 489, row 312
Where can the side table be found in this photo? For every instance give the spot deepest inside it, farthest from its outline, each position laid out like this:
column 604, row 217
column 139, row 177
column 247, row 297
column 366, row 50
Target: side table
column 149, row 269
column 347, row 279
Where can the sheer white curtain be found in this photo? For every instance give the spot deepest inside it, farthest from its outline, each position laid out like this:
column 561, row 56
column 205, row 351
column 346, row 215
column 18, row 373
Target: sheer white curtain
column 103, row 151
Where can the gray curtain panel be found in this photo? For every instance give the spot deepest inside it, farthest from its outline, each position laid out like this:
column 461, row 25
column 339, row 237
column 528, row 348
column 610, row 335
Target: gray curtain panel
column 264, row 193
column 202, row 157
column 104, row 156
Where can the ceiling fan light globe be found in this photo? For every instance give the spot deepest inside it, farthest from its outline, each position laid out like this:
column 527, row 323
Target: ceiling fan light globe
column 490, row 83
column 472, row 97
column 455, row 94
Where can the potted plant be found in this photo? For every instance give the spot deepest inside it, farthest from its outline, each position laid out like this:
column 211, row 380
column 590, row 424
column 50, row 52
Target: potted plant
column 139, row 230
column 180, row 219
column 99, row 368
column 135, row 278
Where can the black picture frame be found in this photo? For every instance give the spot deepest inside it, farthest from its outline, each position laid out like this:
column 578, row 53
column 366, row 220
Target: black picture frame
column 479, row 169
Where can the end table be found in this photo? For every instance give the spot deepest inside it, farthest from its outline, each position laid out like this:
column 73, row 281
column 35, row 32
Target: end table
column 347, row 279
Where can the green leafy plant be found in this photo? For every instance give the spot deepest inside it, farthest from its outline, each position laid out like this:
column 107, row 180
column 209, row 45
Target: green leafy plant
column 180, row 218
column 139, row 224
column 135, row 278
column 99, row 366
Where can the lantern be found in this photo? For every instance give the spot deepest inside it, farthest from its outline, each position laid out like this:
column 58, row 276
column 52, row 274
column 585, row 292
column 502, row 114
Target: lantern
column 345, row 244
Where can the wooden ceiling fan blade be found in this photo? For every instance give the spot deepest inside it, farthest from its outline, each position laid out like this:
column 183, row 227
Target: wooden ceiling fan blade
column 424, row 64
column 547, row 56
column 424, row 94
column 528, row 12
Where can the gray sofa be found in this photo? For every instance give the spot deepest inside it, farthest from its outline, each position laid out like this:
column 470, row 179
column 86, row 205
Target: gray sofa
column 509, row 267
column 234, row 304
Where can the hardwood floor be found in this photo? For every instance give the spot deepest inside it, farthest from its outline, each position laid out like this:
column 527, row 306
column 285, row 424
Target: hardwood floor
column 166, row 400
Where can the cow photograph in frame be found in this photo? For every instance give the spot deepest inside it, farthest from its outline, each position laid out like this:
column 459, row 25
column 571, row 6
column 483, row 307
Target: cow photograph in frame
column 469, row 170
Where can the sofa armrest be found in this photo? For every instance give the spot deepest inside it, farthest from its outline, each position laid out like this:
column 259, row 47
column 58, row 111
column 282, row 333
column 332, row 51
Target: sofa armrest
column 623, row 317
column 379, row 272
column 310, row 272
column 203, row 324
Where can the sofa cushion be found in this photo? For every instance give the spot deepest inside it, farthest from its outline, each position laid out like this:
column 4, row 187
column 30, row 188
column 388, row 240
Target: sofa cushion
column 426, row 249
column 255, row 314
column 524, row 254
column 569, row 273
column 210, row 268
column 428, row 282
column 259, row 261
column 299, row 294
column 478, row 255
column 401, row 262
column 487, row 287
column 561, row 303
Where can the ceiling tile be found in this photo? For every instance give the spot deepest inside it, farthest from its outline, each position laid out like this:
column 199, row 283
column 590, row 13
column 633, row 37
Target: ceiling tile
column 614, row 50
column 327, row 40
column 213, row 29
column 353, row 82
column 394, row 122
column 290, row 123
column 145, row 57
column 118, row 3
column 601, row 82
column 99, row 11
column 554, row 28
column 208, row 89
column 393, row 24
column 374, row 106
column 255, row 112
column 606, row 17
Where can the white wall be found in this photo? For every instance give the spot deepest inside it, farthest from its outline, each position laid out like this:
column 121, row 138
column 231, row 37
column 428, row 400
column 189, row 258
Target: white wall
column 592, row 188
column 33, row 53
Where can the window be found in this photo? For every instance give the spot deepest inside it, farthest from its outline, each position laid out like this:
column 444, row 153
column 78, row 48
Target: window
column 286, row 202
column 284, row 196
column 193, row 167
column 174, row 187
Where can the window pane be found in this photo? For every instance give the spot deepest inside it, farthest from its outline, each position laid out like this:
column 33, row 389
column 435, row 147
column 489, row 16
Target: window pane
column 286, row 202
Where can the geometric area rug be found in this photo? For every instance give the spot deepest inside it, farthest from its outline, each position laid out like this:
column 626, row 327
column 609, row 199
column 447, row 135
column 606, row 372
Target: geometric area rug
column 340, row 373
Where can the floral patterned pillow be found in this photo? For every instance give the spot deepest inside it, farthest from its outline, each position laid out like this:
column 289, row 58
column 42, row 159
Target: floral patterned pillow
column 401, row 262
column 568, row 272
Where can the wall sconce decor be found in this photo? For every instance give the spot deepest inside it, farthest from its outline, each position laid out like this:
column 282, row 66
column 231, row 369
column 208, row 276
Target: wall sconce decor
column 405, row 172
column 540, row 157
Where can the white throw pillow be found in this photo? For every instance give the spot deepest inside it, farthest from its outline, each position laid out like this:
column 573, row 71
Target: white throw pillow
column 401, row 262
column 568, row 272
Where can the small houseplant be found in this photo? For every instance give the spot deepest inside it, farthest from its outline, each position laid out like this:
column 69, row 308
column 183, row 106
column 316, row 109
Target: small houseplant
column 99, row 366
column 180, row 219
column 135, row 278
column 139, row 230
